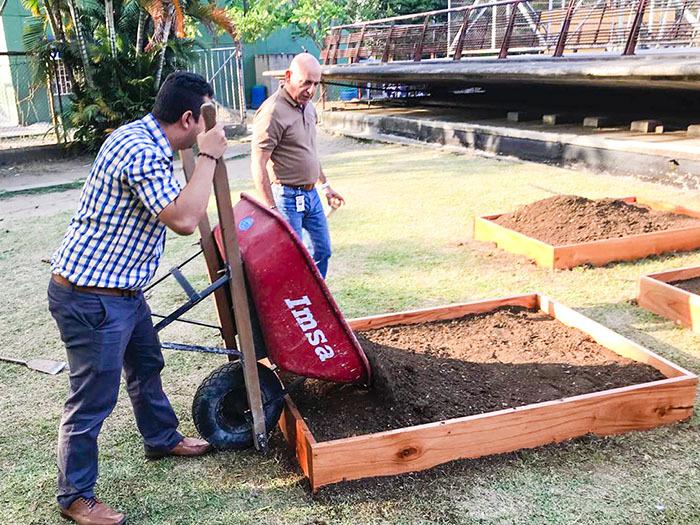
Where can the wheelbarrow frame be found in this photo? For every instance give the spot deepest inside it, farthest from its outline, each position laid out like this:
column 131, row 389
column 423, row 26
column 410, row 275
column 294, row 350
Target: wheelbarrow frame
column 228, row 288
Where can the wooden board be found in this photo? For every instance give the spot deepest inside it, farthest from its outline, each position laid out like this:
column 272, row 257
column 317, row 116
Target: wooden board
column 237, row 291
column 637, row 407
column 488, row 231
column 222, row 299
column 440, row 313
column 596, row 253
column 655, row 294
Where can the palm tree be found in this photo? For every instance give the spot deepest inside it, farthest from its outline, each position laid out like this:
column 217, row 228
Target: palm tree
column 95, row 39
column 169, row 14
column 109, row 23
column 82, row 46
column 68, row 21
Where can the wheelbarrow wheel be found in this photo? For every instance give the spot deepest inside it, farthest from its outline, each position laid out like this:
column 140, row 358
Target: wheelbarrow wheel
column 220, row 408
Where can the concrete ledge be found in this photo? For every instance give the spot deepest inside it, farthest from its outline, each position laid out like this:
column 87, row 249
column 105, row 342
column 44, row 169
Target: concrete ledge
column 602, row 155
column 34, row 153
column 645, row 126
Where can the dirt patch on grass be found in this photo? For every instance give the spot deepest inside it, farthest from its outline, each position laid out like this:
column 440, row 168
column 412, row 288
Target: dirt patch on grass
column 568, row 219
column 476, row 364
column 689, row 285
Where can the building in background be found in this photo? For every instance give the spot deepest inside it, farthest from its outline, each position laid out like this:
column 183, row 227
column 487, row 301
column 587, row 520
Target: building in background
column 21, row 104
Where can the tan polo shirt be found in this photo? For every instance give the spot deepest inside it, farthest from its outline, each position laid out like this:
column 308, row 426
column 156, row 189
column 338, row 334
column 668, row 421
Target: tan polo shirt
column 289, row 131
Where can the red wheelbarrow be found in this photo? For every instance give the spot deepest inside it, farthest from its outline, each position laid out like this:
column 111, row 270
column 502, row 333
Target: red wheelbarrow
column 302, row 327
column 272, row 303
column 296, row 325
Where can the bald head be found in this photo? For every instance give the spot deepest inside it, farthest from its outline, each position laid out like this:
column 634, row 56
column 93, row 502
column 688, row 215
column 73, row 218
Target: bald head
column 305, row 63
column 302, row 78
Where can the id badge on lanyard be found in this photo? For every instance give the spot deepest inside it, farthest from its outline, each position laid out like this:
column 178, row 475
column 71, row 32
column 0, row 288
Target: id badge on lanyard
column 300, row 203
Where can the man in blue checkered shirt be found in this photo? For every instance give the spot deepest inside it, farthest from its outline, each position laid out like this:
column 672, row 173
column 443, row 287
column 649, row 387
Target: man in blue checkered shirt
column 110, row 252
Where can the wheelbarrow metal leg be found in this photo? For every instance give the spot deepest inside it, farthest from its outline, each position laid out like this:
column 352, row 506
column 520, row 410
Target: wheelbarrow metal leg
column 195, row 299
column 201, row 349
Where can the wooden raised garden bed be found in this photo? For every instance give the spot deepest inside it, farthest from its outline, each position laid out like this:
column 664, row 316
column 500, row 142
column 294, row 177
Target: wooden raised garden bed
column 596, row 253
column 660, row 293
column 637, row 407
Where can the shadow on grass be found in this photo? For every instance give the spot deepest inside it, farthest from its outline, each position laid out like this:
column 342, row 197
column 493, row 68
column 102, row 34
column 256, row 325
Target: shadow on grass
column 603, row 312
column 566, row 458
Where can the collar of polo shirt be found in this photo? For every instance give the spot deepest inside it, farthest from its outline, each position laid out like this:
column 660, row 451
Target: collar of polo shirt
column 288, row 98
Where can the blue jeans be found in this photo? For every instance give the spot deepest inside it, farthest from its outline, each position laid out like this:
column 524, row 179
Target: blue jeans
column 310, row 225
column 104, row 334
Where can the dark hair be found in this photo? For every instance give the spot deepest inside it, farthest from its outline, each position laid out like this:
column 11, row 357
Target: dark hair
column 182, row 91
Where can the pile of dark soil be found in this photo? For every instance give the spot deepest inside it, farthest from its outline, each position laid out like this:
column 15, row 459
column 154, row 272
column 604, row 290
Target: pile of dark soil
column 568, row 219
column 476, row 364
column 689, row 285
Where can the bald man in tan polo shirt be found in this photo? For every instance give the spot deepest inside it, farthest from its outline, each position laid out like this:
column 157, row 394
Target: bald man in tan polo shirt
column 285, row 162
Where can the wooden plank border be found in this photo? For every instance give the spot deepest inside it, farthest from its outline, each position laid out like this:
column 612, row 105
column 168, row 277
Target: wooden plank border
column 655, row 294
column 636, row 407
column 596, row 253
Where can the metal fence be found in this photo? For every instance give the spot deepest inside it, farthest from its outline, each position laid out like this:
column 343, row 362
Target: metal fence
column 223, row 68
column 29, row 109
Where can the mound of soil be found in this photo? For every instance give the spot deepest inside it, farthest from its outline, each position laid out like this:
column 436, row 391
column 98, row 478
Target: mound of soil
column 479, row 363
column 569, row 219
column 689, row 285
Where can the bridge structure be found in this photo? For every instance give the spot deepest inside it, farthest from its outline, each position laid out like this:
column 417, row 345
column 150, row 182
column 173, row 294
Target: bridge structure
column 579, row 41
column 609, row 85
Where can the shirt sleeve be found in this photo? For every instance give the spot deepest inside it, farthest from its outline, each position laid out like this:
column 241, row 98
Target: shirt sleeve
column 267, row 131
column 150, row 176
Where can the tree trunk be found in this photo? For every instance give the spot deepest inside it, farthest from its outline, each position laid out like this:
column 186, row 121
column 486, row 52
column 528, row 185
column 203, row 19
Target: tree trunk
column 53, row 22
column 109, row 22
column 87, row 70
column 68, row 67
column 241, row 80
column 141, row 31
column 53, row 11
column 50, row 82
column 164, row 43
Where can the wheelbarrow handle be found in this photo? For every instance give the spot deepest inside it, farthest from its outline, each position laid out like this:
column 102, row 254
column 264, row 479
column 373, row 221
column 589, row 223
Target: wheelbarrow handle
column 208, row 111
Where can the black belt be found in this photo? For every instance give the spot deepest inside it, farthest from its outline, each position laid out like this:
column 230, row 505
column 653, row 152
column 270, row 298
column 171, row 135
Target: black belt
column 305, row 187
column 118, row 292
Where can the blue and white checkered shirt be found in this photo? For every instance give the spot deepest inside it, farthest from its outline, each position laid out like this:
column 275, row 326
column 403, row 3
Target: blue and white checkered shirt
column 115, row 239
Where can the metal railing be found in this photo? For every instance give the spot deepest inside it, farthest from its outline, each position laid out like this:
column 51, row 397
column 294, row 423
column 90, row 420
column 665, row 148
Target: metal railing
column 509, row 27
column 223, row 69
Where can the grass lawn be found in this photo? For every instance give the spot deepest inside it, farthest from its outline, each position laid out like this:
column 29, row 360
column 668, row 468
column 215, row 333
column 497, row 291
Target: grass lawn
column 402, row 241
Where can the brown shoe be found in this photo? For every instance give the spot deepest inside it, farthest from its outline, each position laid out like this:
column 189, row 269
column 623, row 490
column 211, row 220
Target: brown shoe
column 187, row 447
column 91, row 511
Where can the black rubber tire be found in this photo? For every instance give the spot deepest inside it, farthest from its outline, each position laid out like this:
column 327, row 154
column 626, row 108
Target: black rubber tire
column 220, row 403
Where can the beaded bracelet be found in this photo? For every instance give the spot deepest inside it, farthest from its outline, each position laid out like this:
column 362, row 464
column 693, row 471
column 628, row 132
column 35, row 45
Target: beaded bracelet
column 202, row 154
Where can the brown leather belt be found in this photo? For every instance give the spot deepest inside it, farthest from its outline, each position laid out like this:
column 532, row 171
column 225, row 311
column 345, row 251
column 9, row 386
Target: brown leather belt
column 117, row 292
column 305, row 187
